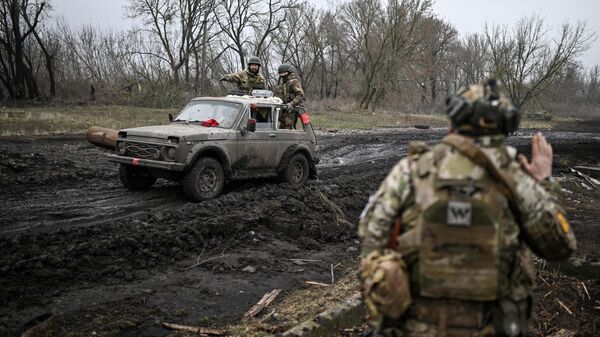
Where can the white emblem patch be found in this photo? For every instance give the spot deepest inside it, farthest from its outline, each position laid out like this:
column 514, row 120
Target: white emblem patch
column 459, row 213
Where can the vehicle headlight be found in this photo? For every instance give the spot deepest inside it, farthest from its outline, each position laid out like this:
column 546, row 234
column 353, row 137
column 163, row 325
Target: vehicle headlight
column 171, row 152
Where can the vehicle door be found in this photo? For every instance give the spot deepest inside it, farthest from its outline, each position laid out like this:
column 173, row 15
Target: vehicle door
column 257, row 151
column 294, row 136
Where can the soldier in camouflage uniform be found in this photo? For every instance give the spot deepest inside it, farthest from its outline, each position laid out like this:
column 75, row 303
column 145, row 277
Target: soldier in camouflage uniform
column 289, row 89
column 447, row 239
column 248, row 79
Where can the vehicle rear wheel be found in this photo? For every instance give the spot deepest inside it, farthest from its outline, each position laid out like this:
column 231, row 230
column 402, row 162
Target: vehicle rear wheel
column 205, row 180
column 296, row 172
column 136, row 178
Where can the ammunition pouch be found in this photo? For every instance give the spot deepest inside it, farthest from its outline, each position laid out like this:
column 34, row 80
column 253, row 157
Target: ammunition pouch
column 428, row 317
column 385, row 284
column 450, row 313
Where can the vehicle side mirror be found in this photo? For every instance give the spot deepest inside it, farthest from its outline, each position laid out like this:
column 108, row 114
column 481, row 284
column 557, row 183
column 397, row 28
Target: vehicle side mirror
column 251, row 125
column 170, row 117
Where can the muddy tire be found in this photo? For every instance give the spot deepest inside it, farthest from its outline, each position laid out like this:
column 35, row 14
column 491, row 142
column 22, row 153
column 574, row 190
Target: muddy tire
column 297, row 170
column 205, row 180
column 136, row 178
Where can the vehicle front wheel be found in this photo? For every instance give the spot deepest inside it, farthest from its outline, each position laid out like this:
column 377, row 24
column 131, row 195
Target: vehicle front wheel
column 205, row 180
column 136, row 178
column 297, row 170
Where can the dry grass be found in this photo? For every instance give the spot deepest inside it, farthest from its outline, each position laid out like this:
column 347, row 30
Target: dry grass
column 53, row 120
column 60, row 120
column 297, row 307
column 367, row 120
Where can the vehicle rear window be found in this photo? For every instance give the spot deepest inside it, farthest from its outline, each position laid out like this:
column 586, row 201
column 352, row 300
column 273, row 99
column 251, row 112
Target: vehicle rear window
column 224, row 113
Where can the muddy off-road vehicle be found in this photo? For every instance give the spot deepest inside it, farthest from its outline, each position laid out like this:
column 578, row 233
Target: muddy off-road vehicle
column 217, row 140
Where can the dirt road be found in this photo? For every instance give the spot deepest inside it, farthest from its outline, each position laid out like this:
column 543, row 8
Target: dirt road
column 75, row 242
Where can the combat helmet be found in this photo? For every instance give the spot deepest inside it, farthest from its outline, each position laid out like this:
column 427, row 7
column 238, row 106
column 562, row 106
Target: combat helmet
column 482, row 109
column 285, row 67
column 254, row 60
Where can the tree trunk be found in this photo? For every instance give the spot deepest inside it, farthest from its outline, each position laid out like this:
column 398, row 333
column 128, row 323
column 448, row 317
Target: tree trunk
column 433, row 86
column 175, row 72
column 50, row 67
column 49, row 64
column 369, row 98
column 198, row 68
column 335, row 88
column 19, row 75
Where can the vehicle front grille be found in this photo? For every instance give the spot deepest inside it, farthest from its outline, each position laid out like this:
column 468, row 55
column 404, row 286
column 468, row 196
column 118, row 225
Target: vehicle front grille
column 141, row 150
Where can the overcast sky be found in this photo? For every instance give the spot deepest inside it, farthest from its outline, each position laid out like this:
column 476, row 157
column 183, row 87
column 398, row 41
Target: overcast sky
column 468, row 16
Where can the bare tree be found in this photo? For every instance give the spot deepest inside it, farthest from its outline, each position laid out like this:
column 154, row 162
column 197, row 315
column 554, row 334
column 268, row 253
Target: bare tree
column 592, row 84
column 177, row 25
column 236, row 18
column 528, row 61
column 250, row 26
column 19, row 19
column 437, row 43
column 472, row 59
column 36, row 10
column 385, row 39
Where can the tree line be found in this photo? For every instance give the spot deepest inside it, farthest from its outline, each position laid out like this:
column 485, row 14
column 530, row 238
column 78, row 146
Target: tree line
column 393, row 54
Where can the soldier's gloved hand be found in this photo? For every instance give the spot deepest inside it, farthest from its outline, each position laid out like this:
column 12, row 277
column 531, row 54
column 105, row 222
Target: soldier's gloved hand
column 289, row 107
column 541, row 158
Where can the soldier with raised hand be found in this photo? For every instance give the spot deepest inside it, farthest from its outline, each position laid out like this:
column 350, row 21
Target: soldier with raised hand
column 289, row 89
column 249, row 78
column 447, row 239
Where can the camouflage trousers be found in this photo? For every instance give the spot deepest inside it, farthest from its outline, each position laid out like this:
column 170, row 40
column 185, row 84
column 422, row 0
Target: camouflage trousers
column 287, row 119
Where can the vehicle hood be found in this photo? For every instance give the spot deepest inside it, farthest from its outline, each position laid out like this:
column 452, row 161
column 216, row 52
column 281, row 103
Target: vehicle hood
column 185, row 131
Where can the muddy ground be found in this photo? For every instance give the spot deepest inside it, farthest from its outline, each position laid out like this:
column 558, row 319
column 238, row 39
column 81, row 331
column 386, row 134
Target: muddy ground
column 111, row 262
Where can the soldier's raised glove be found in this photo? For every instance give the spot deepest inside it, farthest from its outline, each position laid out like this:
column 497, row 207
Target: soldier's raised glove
column 289, row 107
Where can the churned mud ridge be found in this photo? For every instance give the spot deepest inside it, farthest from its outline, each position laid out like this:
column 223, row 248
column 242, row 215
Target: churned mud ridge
column 117, row 249
column 47, row 161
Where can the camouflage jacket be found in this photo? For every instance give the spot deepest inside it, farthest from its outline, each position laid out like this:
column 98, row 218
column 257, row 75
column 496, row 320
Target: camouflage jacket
column 290, row 90
column 246, row 80
column 542, row 226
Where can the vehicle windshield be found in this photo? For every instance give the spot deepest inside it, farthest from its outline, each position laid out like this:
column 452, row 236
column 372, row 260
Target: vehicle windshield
column 224, row 113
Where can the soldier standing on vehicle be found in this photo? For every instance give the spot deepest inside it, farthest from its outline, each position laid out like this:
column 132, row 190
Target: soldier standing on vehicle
column 289, row 89
column 447, row 238
column 248, row 79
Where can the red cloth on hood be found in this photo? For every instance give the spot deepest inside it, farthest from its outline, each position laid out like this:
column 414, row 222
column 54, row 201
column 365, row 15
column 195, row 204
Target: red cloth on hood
column 210, row 123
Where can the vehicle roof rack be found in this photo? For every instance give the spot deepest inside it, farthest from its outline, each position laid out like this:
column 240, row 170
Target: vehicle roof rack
column 238, row 93
column 256, row 93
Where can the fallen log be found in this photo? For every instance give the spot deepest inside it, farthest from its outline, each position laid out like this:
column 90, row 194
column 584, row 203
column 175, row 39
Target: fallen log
column 263, row 303
column 594, row 172
column 320, row 284
column 195, row 329
column 102, row 137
